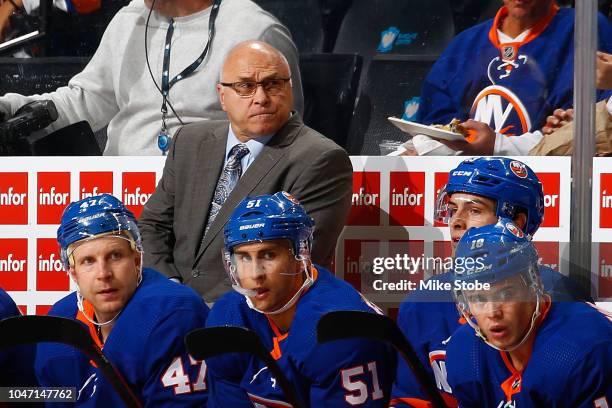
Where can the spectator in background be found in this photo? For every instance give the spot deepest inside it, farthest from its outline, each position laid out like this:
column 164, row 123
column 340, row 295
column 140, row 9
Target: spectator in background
column 213, row 165
column 559, row 130
column 505, row 77
column 122, row 85
column 561, row 117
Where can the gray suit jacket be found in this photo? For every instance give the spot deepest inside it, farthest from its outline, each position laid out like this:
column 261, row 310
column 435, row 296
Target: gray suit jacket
column 297, row 159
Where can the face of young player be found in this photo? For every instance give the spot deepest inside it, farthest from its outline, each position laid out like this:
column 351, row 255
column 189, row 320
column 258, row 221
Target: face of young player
column 106, row 270
column 504, row 312
column 270, row 269
column 469, row 210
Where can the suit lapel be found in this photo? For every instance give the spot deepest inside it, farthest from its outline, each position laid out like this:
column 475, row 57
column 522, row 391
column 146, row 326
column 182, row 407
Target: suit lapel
column 207, row 169
column 256, row 172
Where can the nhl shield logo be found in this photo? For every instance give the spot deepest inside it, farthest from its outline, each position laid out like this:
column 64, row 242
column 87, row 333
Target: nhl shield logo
column 518, row 169
column 514, row 230
column 508, row 53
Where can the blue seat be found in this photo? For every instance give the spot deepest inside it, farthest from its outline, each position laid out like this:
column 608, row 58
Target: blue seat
column 330, row 83
column 414, row 27
column 302, row 18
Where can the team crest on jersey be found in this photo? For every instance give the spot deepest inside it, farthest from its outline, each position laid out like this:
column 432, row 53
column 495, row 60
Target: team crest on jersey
column 502, row 110
column 518, row 169
column 514, row 230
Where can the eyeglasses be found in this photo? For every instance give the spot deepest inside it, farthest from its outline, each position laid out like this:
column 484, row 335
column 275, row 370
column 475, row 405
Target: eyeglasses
column 247, row 89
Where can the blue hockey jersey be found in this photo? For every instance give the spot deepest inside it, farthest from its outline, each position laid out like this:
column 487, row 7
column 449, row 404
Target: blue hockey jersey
column 337, row 374
column 428, row 318
column 16, row 363
column 512, row 87
column 569, row 365
column 146, row 345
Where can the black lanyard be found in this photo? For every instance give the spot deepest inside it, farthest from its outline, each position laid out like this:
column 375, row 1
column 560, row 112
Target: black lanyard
column 163, row 140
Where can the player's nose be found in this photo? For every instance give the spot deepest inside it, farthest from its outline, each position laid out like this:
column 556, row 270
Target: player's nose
column 457, row 222
column 103, row 269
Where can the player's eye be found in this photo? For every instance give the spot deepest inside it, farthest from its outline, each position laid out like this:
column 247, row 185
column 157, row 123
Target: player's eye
column 269, row 255
column 507, row 294
column 116, row 255
column 476, row 299
column 86, row 261
column 243, row 258
column 475, row 211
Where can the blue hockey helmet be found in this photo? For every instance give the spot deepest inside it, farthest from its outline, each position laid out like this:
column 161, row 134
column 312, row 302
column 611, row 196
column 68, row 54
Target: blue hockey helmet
column 493, row 253
column 93, row 216
column 510, row 182
column 268, row 217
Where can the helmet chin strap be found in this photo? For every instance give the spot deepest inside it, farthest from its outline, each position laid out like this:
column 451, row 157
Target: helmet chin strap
column 80, row 299
column 307, row 283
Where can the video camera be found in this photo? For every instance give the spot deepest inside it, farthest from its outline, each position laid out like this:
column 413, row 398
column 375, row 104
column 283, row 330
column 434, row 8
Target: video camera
column 29, row 118
column 18, row 137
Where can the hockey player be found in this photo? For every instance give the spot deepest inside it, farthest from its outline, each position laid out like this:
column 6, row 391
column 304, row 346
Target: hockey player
column 16, row 363
column 280, row 295
column 478, row 192
column 529, row 351
column 138, row 317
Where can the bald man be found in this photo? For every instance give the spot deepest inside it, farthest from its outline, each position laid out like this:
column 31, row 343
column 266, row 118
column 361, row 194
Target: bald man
column 262, row 148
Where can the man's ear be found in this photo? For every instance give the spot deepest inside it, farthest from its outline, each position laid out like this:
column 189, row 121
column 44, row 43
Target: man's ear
column 520, row 220
column 221, row 93
column 72, row 274
column 137, row 259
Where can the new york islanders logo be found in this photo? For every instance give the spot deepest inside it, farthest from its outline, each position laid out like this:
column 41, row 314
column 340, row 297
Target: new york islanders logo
column 514, row 230
column 502, row 110
column 518, row 169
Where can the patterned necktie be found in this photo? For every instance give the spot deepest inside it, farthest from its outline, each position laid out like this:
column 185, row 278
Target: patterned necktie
column 227, row 181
